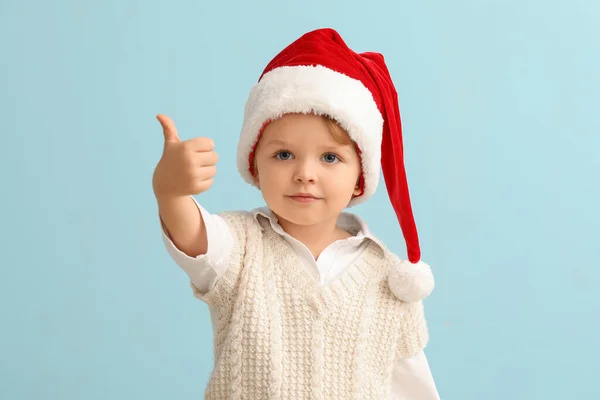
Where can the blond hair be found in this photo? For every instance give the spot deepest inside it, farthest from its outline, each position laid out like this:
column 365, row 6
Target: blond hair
column 338, row 133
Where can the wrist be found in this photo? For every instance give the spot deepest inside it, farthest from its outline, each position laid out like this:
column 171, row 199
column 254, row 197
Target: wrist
column 161, row 191
column 164, row 197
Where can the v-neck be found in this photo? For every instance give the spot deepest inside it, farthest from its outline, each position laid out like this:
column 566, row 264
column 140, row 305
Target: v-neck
column 331, row 262
column 363, row 272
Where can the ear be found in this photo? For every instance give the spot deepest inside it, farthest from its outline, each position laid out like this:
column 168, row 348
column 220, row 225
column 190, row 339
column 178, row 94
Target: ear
column 356, row 190
column 256, row 179
column 255, row 176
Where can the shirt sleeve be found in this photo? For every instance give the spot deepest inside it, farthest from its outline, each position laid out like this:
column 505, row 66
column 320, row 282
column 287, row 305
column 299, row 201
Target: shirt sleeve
column 205, row 269
column 412, row 379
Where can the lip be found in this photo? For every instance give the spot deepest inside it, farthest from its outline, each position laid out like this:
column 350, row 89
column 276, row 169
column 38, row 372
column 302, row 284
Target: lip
column 303, row 197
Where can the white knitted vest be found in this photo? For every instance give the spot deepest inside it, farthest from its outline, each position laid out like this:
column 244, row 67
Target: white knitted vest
column 281, row 335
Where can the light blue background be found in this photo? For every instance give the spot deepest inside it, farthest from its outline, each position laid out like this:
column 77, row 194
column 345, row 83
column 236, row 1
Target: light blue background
column 499, row 101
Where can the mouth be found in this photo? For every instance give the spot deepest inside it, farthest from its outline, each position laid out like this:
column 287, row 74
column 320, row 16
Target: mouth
column 303, row 198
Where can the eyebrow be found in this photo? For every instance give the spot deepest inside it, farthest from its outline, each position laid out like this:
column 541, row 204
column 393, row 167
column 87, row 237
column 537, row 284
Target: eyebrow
column 330, row 147
column 276, row 141
column 341, row 148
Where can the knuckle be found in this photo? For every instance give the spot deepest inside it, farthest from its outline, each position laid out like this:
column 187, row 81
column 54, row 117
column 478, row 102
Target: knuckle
column 207, row 172
column 209, row 143
column 196, row 187
column 203, row 186
column 212, row 169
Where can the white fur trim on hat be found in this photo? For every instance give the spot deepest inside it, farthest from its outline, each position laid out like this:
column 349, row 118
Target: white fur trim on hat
column 411, row 282
column 319, row 90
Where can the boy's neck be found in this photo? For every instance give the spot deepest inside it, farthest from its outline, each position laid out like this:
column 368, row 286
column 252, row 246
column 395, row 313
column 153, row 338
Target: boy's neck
column 316, row 237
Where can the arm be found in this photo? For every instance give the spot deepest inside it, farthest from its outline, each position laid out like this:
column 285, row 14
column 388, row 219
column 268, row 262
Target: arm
column 412, row 379
column 183, row 223
column 204, row 269
column 185, row 168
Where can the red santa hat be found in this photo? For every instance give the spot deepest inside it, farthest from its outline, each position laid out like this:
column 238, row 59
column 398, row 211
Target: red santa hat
column 319, row 74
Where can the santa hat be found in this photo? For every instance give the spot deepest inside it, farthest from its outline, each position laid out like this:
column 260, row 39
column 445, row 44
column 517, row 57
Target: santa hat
column 319, row 74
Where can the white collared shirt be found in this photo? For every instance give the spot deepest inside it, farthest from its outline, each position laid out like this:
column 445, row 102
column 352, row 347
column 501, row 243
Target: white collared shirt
column 411, row 377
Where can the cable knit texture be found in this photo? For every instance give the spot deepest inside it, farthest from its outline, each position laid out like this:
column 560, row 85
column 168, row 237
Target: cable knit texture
column 282, row 335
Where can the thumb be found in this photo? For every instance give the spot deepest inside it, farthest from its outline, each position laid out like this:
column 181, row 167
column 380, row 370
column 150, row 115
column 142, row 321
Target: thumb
column 169, row 129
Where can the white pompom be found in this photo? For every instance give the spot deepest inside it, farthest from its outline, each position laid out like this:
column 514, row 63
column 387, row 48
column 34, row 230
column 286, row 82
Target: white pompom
column 411, row 282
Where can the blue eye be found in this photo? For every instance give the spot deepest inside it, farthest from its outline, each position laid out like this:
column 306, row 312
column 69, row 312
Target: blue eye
column 330, row 158
column 283, row 155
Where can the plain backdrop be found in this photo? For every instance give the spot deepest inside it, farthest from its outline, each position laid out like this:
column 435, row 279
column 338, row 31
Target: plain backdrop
column 499, row 101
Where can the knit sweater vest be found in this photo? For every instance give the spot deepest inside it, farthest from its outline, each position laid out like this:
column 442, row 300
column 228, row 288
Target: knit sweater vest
column 282, row 335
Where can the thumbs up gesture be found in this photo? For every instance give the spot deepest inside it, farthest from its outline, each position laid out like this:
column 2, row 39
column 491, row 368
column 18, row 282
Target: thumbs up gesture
column 186, row 167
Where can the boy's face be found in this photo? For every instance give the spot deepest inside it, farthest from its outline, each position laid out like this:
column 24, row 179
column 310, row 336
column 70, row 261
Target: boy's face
column 306, row 177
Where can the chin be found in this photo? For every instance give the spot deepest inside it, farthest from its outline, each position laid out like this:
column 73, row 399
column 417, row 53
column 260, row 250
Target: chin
column 297, row 217
column 304, row 216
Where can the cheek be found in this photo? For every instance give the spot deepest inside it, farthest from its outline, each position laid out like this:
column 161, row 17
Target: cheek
column 268, row 174
column 271, row 178
column 341, row 183
column 345, row 181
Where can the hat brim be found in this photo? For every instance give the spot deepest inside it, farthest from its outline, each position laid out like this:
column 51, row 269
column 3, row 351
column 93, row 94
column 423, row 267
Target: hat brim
column 322, row 91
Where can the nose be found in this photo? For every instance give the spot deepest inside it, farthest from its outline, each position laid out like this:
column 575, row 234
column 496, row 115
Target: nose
column 305, row 172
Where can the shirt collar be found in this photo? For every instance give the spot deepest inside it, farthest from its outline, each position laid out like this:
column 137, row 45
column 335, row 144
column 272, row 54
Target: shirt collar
column 349, row 222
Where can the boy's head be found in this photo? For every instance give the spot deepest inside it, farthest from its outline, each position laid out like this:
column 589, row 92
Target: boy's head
column 307, row 168
column 318, row 74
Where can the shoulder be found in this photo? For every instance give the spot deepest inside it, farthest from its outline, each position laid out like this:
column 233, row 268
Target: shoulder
column 409, row 282
column 242, row 224
column 247, row 216
column 236, row 216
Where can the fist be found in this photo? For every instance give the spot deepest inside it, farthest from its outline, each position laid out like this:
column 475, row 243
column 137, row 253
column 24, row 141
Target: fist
column 186, row 167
